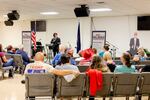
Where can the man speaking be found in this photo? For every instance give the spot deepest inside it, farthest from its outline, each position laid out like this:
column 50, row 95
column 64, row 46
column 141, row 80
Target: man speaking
column 55, row 42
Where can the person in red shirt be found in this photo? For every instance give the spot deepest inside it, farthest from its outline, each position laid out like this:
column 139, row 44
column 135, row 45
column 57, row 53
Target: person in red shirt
column 95, row 75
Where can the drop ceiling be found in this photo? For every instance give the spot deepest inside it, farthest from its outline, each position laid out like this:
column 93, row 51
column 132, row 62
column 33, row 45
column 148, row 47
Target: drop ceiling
column 30, row 9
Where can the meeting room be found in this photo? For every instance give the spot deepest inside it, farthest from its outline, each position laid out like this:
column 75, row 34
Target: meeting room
column 74, row 50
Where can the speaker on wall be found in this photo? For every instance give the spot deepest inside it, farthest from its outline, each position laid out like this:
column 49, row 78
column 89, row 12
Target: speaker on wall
column 14, row 15
column 83, row 11
column 9, row 23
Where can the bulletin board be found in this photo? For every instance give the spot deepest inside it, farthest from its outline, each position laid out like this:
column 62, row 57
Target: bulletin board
column 26, row 41
column 98, row 39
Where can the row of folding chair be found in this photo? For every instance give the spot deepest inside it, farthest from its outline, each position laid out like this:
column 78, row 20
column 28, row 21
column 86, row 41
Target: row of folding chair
column 114, row 85
column 17, row 60
column 50, row 85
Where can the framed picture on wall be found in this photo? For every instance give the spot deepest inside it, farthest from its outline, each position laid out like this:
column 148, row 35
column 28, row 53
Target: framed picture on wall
column 98, row 39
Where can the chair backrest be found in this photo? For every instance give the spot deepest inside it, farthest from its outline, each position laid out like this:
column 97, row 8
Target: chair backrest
column 39, row 84
column 82, row 68
column 147, row 62
column 106, row 87
column 145, row 83
column 8, row 56
column 125, row 84
column 147, row 58
column 118, row 62
column 107, row 83
column 73, row 88
column 18, row 60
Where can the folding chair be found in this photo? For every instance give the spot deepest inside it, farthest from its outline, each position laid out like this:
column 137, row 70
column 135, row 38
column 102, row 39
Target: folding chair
column 39, row 85
column 82, row 68
column 125, row 84
column 75, row 88
column 106, row 87
column 147, row 62
column 145, row 84
column 8, row 56
column 19, row 62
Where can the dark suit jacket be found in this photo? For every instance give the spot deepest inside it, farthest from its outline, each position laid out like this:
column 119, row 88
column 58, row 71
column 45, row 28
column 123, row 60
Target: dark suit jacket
column 133, row 50
column 132, row 43
column 55, row 43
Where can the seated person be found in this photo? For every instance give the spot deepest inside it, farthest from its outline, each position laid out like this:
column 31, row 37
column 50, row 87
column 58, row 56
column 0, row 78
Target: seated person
column 87, row 55
column 57, row 57
column 24, row 55
column 6, row 62
column 69, row 52
column 40, row 67
column 146, row 68
column 97, row 63
column 87, row 58
column 65, row 63
column 94, row 51
column 140, row 55
column 80, row 56
column 10, row 49
column 63, row 50
column 108, row 58
column 126, row 67
column 101, row 53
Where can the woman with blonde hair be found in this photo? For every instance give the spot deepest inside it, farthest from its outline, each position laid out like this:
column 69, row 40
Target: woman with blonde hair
column 108, row 58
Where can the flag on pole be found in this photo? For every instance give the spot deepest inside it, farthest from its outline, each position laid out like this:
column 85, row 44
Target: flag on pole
column 78, row 39
column 33, row 38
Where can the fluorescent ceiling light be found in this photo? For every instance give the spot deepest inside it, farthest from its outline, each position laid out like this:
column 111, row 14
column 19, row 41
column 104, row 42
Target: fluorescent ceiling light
column 49, row 13
column 100, row 9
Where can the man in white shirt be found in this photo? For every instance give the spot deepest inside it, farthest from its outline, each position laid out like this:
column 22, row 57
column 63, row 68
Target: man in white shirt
column 134, row 44
column 40, row 67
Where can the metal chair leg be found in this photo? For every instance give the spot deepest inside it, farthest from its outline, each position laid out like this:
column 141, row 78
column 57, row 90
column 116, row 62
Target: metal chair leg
column 3, row 74
column 127, row 98
column 149, row 97
column 104, row 98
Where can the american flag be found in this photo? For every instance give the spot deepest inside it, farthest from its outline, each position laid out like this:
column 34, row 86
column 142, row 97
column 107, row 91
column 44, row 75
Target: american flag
column 33, row 38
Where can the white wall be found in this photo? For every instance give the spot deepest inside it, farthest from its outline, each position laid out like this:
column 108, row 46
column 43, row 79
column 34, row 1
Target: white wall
column 67, row 29
column 119, row 31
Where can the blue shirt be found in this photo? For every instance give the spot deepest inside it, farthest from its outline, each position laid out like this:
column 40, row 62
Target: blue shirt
column 57, row 58
column 72, row 61
column 125, row 69
column 24, row 55
column 101, row 54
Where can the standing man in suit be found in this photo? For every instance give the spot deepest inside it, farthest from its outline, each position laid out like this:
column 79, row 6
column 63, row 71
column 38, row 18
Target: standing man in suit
column 55, row 42
column 134, row 44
